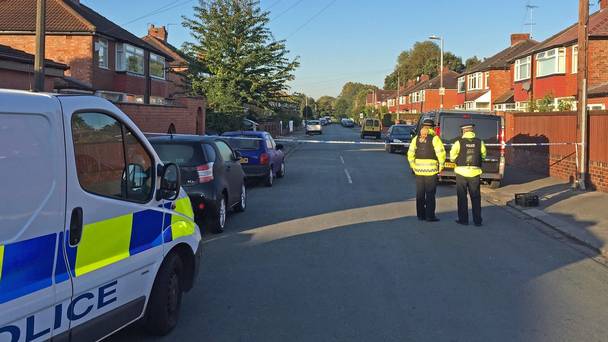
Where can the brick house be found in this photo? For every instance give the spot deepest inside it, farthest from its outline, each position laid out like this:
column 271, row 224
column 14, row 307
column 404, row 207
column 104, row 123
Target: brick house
column 17, row 70
column 113, row 62
column 379, row 98
column 550, row 68
column 481, row 86
column 424, row 96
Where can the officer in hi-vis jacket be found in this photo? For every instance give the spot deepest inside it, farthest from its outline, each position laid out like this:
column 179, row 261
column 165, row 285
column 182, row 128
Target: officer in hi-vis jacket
column 468, row 153
column 426, row 156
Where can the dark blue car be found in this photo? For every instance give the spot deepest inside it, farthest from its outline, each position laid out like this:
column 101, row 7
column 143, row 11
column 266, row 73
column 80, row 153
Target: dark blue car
column 398, row 134
column 261, row 157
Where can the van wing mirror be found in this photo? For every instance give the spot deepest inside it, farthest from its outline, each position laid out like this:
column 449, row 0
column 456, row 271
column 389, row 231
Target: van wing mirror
column 170, row 183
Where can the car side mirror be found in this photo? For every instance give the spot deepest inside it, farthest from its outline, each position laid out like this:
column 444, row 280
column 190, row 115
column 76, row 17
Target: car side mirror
column 170, row 183
column 236, row 156
column 280, row 147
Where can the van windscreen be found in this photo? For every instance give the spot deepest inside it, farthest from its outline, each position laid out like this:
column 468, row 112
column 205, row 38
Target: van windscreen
column 486, row 129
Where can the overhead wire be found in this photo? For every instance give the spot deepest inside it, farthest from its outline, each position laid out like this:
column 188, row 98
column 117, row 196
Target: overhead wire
column 311, row 19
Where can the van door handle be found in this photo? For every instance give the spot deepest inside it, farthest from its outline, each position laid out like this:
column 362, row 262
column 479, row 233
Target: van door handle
column 76, row 226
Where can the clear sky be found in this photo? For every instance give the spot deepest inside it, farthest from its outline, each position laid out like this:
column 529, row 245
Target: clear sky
column 359, row 40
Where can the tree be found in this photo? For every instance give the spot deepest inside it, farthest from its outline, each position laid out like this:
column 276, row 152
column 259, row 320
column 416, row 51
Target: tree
column 471, row 62
column 352, row 99
column 423, row 58
column 326, row 105
column 238, row 61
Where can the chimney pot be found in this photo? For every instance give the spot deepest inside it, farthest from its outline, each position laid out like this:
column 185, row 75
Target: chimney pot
column 158, row 32
column 518, row 37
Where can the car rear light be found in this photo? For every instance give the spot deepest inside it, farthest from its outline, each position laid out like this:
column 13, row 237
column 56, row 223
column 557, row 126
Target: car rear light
column 205, row 173
column 264, row 158
column 201, row 206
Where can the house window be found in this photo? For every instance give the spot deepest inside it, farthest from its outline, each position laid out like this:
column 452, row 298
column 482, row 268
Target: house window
column 551, row 62
column 522, row 68
column 422, row 95
column 575, row 59
column 487, row 80
column 461, row 85
column 596, row 107
column 401, row 100
column 129, row 58
column 157, row 66
column 521, row 106
column 474, row 81
column 101, row 53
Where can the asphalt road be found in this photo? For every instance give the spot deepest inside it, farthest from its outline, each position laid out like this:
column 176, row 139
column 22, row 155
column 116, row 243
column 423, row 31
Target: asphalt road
column 333, row 252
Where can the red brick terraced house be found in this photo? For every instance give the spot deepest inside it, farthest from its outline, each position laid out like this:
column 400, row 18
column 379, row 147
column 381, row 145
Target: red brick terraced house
column 550, row 68
column 379, row 98
column 110, row 61
column 481, row 86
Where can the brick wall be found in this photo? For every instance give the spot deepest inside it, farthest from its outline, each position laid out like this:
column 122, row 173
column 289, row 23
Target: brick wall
column 500, row 83
column 75, row 51
column 188, row 116
column 598, row 62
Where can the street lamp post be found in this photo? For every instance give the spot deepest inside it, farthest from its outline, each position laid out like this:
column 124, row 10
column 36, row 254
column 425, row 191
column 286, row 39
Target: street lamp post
column 441, row 90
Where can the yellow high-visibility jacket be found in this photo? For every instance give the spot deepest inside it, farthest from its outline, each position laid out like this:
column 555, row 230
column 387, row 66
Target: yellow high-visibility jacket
column 467, row 171
column 427, row 167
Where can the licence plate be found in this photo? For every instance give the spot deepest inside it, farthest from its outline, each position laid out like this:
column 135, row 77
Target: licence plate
column 244, row 160
column 449, row 165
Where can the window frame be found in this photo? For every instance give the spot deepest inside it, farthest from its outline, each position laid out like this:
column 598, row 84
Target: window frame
column 478, row 77
column 525, row 61
column 164, row 63
column 122, row 57
column 153, row 167
column 486, row 80
column 462, row 84
column 102, row 42
column 558, row 55
column 574, row 66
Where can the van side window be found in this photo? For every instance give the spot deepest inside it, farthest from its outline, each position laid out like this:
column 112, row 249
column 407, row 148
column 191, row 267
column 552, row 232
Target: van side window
column 110, row 161
column 140, row 171
column 100, row 158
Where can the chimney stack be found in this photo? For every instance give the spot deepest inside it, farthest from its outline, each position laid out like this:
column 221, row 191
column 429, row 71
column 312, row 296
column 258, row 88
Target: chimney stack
column 518, row 37
column 424, row 78
column 158, row 32
column 603, row 4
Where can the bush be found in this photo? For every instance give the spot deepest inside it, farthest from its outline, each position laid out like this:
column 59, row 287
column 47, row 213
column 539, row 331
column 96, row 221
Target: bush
column 221, row 122
column 546, row 104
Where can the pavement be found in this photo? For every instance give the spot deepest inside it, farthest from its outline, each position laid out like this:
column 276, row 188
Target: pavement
column 580, row 215
column 334, row 252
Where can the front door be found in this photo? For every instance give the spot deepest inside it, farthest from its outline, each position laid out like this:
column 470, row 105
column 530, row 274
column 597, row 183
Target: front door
column 115, row 223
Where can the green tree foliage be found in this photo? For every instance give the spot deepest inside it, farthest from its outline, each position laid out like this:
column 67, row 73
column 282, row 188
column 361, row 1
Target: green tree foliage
column 351, row 100
column 471, row 62
column 546, row 104
column 326, row 105
column 423, row 58
column 238, row 61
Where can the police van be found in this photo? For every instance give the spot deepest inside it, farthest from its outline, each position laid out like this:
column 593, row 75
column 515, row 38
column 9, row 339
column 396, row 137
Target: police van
column 95, row 232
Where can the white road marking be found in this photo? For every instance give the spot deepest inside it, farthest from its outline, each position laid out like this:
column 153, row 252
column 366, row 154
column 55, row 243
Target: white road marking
column 342, row 159
column 350, row 180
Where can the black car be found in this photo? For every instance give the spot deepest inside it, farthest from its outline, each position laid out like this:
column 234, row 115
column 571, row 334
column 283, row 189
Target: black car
column 211, row 175
column 398, row 134
column 488, row 127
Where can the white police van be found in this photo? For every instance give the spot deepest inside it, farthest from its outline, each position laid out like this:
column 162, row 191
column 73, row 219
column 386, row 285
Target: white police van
column 95, row 233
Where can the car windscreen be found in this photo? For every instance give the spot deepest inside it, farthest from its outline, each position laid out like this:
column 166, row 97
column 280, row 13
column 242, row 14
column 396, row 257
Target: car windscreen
column 244, row 142
column 486, row 129
column 402, row 130
column 182, row 154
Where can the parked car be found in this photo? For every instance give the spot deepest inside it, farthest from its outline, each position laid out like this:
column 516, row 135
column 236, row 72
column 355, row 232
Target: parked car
column 347, row 123
column 488, row 127
column 211, row 175
column 398, row 134
column 314, row 126
column 96, row 232
column 323, row 121
column 261, row 157
column 371, row 127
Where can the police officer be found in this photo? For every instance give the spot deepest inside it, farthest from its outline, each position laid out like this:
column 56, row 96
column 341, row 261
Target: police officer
column 468, row 152
column 426, row 156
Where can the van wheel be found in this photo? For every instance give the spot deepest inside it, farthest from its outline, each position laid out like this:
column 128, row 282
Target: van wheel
column 495, row 184
column 240, row 207
column 165, row 301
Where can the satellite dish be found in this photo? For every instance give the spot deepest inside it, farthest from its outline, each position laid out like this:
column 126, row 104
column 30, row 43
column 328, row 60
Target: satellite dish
column 526, row 86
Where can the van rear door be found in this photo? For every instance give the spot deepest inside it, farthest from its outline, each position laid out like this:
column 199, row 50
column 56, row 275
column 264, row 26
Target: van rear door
column 487, row 128
column 32, row 216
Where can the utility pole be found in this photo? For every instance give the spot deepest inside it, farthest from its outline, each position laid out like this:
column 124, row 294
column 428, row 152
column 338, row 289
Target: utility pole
column 397, row 98
column 583, row 50
column 40, row 35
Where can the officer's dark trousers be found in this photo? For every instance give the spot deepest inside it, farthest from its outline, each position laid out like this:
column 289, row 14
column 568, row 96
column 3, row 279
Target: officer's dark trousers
column 426, row 187
column 470, row 185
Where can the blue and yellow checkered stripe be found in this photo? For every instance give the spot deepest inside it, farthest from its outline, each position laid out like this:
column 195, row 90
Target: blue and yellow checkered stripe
column 27, row 266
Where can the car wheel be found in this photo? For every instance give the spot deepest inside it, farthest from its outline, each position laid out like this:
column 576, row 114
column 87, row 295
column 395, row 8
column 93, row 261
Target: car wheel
column 242, row 205
column 219, row 219
column 495, row 184
column 281, row 172
column 269, row 178
column 163, row 309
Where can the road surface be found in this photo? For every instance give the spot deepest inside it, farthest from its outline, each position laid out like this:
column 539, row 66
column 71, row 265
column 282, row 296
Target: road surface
column 334, row 252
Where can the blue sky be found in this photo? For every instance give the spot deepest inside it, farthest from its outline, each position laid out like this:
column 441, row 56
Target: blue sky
column 359, row 40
